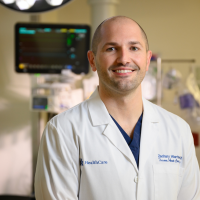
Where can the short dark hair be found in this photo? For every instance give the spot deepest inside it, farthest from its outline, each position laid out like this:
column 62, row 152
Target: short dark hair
column 97, row 34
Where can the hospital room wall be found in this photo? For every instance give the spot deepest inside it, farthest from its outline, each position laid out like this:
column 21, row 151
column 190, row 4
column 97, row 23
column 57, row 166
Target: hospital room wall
column 173, row 31
column 15, row 116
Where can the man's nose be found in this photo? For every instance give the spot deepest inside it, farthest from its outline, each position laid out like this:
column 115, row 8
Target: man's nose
column 123, row 56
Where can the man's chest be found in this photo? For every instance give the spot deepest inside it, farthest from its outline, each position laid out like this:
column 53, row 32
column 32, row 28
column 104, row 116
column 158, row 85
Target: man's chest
column 109, row 161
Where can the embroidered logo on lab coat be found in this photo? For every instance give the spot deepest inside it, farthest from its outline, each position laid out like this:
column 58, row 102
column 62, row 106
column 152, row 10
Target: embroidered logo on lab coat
column 169, row 158
column 92, row 162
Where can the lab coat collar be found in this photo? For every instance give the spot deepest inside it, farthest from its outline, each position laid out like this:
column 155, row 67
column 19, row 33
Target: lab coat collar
column 99, row 116
column 98, row 112
column 149, row 113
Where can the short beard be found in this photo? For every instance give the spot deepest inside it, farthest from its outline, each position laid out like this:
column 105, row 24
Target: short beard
column 120, row 86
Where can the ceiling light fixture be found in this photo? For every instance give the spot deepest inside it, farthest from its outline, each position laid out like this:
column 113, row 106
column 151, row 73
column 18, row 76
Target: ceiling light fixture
column 8, row 1
column 25, row 4
column 54, row 2
column 33, row 6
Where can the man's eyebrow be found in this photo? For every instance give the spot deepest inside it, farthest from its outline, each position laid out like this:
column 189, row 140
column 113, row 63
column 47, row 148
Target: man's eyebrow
column 115, row 43
column 135, row 42
column 110, row 44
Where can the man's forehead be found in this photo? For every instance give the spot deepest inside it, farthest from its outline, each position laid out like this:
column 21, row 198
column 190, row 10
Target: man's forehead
column 114, row 21
column 114, row 27
column 118, row 25
column 121, row 26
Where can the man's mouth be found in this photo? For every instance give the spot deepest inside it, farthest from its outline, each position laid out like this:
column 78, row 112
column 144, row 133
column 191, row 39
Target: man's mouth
column 123, row 71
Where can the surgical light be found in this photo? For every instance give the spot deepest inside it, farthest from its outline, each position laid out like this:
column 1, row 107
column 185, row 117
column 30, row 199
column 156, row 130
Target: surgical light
column 54, row 2
column 33, row 6
column 8, row 1
column 25, row 4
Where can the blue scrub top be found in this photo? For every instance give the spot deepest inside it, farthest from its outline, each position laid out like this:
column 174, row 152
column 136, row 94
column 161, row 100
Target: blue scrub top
column 134, row 144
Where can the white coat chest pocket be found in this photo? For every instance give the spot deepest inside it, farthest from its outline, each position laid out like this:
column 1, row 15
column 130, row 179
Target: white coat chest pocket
column 167, row 179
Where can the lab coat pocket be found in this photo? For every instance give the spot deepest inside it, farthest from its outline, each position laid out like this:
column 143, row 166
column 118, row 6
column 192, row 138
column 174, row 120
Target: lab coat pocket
column 166, row 181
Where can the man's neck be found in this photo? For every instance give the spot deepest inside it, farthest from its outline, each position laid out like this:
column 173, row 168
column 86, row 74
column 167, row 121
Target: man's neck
column 125, row 108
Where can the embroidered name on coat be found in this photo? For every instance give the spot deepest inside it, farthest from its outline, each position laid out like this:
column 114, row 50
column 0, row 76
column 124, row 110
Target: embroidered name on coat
column 169, row 158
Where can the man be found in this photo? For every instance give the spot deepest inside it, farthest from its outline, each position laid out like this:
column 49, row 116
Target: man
column 116, row 145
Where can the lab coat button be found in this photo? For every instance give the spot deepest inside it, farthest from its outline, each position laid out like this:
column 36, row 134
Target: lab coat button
column 136, row 179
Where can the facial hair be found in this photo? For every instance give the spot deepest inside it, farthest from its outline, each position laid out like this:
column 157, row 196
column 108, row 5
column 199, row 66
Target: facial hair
column 120, row 84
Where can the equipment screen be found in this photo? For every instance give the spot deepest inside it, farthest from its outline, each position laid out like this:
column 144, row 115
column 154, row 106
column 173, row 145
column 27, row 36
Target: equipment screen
column 49, row 48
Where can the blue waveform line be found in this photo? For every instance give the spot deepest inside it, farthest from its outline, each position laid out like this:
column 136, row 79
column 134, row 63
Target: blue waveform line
column 80, row 31
column 24, row 31
column 47, row 29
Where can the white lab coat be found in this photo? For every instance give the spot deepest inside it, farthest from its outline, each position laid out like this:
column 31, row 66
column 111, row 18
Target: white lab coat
column 84, row 156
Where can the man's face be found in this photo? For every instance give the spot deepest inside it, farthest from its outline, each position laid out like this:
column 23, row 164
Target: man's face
column 121, row 60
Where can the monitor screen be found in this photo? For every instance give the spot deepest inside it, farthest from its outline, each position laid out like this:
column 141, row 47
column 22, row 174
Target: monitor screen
column 49, row 48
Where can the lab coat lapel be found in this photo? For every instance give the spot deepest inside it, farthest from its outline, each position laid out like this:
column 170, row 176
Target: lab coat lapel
column 114, row 135
column 149, row 131
column 100, row 116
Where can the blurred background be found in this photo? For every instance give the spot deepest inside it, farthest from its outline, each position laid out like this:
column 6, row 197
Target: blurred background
column 28, row 99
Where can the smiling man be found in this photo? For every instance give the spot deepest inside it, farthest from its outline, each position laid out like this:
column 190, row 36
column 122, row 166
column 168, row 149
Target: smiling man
column 117, row 145
column 121, row 57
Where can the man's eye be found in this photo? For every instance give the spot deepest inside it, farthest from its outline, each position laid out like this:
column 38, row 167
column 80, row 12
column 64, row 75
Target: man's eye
column 110, row 49
column 134, row 48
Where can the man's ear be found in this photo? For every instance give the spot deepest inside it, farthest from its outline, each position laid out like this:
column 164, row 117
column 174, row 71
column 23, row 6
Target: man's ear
column 91, row 60
column 149, row 55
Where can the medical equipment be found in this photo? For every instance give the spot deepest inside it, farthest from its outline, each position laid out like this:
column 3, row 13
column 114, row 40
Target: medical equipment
column 56, row 93
column 50, row 48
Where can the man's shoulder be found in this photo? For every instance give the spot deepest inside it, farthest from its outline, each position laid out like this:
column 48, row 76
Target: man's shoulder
column 166, row 116
column 72, row 115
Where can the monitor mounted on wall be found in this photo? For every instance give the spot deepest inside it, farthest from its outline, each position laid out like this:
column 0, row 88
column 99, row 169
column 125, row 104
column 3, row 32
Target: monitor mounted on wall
column 50, row 48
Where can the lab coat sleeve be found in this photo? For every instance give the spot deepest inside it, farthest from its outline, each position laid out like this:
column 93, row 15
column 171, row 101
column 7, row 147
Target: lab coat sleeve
column 190, row 187
column 58, row 170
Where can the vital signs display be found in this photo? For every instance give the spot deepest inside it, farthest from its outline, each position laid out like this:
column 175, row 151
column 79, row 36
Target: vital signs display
column 49, row 48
